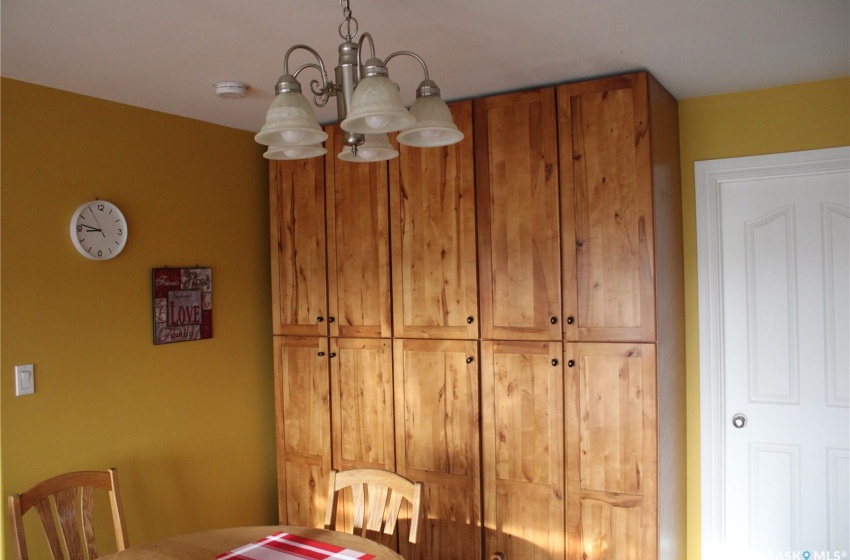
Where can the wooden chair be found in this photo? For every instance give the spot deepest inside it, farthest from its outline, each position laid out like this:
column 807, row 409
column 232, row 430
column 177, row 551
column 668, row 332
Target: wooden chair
column 69, row 498
column 377, row 486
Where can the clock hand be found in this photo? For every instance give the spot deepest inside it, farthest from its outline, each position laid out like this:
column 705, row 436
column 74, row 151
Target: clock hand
column 95, row 221
column 90, row 228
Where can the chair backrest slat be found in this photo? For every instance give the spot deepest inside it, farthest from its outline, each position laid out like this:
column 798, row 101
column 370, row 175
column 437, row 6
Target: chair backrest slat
column 45, row 512
column 377, row 506
column 87, row 519
column 359, row 499
column 392, row 513
column 67, row 504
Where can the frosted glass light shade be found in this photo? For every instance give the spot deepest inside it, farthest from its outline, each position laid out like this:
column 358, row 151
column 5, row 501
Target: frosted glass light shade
column 290, row 121
column 376, row 107
column 295, row 152
column 376, row 148
column 434, row 125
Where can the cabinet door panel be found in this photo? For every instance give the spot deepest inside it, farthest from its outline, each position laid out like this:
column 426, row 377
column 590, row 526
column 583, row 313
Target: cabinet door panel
column 303, row 429
column 436, row 391
column 522, row 418
column 518, row 205
column 612, row 531
column 297, row 206
column 362, row 412
column 358, row 245
column 432, row 197
column 611, row 450
column 607, row 210
column 362, row 403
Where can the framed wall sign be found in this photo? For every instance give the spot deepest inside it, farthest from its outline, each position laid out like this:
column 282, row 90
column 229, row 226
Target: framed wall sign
column 182, row 304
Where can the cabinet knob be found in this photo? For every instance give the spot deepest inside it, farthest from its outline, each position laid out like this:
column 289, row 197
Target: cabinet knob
column 320, row 354
column 553, row 320
column 469, row 360
column 331, row 319
column 332, row 355
column 571, row 363
column 320, row 319
column 570, row 320
column 554, row 362
column 469, row 319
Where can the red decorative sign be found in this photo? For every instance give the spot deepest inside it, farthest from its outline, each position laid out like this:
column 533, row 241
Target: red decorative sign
column 182, row 304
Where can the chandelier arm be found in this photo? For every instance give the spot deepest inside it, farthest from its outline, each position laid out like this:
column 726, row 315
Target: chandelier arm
column 411, row 54
column 363, row 37
column 321, row 95
column 326, row 85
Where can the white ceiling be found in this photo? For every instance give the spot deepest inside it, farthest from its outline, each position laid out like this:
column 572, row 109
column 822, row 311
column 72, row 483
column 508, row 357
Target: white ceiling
column 166, row 54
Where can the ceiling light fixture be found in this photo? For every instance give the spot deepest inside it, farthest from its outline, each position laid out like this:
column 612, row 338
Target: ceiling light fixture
column 368, row 104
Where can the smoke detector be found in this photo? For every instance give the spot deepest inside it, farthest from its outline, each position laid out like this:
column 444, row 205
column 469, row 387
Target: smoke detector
column 230, row 89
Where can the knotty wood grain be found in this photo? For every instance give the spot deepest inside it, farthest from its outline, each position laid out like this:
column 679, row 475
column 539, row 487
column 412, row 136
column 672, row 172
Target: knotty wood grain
column 432, row 206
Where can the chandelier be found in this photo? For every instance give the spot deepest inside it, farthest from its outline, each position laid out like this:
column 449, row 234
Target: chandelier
column 368, row 104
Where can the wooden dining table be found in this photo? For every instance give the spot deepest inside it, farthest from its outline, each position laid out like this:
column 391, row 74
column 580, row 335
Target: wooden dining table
column 206, row 545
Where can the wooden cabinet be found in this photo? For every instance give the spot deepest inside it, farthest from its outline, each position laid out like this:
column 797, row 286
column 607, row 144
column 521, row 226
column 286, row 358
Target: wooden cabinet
column 608, row 226
column 362, row 430
column 437, row 443
column 302, row 409
column 522, row 416
column 518, row 221
column 362, row 403
column 546, row 423
column 358, row 244
column 299, row 280
column 432, row 202
column 623, row 282
column 612, row 451
column 350, row 295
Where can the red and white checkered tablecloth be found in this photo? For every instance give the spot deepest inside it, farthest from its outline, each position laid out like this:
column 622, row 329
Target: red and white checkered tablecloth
column 286, row 546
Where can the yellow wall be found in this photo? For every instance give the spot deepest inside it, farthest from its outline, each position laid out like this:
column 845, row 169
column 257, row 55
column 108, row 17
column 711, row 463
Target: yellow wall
column 190, row 425
column 787, row 119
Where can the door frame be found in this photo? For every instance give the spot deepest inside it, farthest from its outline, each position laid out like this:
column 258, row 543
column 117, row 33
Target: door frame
column 710, row 176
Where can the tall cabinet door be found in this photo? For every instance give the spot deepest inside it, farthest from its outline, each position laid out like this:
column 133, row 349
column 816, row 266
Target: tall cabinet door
column 518, row 205
column 432, row 202
column 303, row 429
column 362, row 403
column 299, row 289
column 611, row 451
column 436, row 393
column 358, row 245
column 522, row 418
column 606, row 184
column 362, row 428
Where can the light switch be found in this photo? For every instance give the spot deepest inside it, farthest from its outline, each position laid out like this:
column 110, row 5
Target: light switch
column 24, row 380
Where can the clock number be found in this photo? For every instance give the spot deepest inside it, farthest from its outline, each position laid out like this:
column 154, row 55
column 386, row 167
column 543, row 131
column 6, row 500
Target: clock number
column 120, row 231
column 100, row 207
column 99, row 253
column 79, row 229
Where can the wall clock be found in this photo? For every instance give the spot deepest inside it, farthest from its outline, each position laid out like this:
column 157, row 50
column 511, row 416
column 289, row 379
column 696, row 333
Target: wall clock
column 98, row 230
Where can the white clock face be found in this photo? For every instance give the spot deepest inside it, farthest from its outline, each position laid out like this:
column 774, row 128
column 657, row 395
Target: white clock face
column 98, row 230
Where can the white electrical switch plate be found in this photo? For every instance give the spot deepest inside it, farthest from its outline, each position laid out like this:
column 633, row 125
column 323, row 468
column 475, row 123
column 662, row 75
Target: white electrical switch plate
column 24, row 380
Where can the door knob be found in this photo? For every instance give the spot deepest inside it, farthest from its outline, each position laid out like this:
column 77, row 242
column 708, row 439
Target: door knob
column 739, row 420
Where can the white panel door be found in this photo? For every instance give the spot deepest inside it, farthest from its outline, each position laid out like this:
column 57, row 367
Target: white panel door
column 784, row 391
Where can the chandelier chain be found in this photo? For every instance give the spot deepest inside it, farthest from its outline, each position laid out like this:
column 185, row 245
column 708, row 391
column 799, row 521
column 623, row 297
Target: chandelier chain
column 346, row 13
